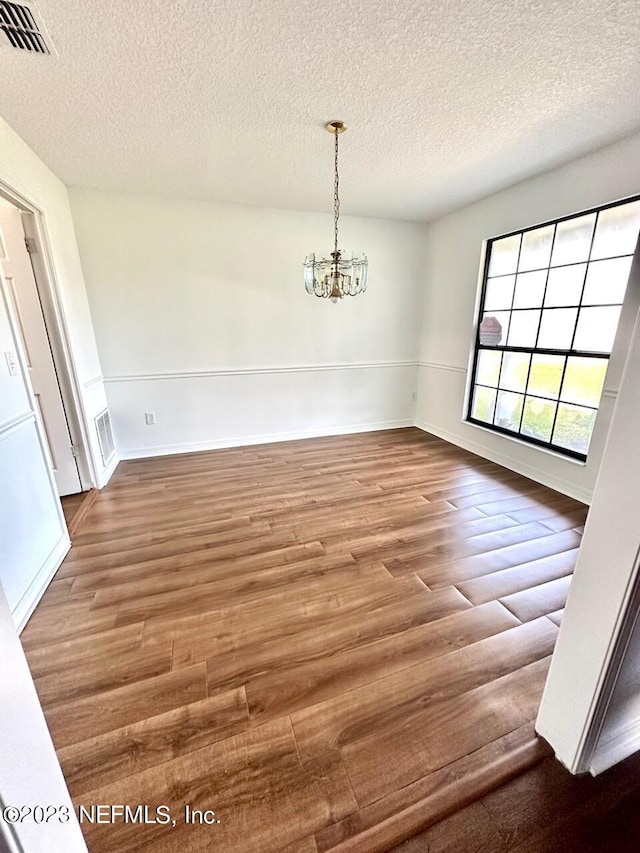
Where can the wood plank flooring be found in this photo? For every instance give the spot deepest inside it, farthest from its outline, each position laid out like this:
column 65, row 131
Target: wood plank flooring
column 331, row 643
column 75, row 507
column 545, row 810
column 71, row 504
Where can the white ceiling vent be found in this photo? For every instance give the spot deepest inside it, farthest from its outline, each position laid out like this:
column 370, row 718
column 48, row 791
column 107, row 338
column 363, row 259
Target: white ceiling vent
column 22, row 28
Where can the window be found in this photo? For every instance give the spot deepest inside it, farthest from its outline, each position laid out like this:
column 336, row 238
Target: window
column 551, row 299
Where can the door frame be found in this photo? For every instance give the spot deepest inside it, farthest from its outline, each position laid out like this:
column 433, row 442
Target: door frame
column 602, row 613
column 35, row 228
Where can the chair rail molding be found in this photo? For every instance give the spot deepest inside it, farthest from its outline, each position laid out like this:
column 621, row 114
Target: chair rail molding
column 438, row 365
column 95, row 380
column 253, row 371
column 8, row 426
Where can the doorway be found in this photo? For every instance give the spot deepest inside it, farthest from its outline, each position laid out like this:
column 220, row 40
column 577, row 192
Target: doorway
column 38, row 350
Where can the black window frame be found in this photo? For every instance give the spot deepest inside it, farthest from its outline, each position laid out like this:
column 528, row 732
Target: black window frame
column 531, row 351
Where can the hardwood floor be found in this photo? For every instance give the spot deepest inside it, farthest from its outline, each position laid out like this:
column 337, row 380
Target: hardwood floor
column 71, row 504
column 75, row 507
column 545, row 810
column 331, row 643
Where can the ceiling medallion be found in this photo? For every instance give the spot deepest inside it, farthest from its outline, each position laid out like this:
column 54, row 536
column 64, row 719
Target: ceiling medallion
column 337, row 276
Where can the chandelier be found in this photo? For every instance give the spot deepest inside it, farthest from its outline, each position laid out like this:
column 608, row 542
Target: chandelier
column 337, row 276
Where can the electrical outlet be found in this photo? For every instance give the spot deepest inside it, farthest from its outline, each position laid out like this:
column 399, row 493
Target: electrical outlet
column 414, row 397
column 150, row 418
column 12, row 363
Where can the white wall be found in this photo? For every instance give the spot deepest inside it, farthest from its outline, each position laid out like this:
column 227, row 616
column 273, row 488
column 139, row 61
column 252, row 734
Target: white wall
column 30, row 774
column 23, row 171
column 201, row 317
column 453, row 254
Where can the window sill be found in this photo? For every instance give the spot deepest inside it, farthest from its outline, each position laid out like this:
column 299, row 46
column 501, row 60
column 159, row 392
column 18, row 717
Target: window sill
column 514, row 438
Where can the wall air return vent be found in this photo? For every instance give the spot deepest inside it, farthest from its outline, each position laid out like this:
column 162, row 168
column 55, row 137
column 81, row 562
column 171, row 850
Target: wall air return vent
column 105, row 436
column 22, row 28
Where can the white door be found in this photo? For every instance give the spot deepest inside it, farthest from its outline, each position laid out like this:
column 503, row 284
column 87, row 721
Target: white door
column 21, row 284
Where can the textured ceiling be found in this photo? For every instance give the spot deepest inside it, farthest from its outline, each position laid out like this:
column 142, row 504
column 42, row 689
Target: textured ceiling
column 446, row 100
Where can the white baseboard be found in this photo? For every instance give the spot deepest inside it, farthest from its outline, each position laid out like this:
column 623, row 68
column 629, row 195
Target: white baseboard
column 264, row 438
column 616, row 748
column 107, row 473
column 502, row 459
column 34, row 592
column 533, row 473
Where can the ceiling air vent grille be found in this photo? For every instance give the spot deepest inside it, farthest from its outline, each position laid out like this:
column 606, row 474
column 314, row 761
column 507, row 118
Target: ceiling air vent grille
column 105, row 436
column 22, row 29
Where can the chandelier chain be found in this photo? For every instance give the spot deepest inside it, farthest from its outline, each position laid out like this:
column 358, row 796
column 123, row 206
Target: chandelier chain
column 336, row 197
column 335, row 277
